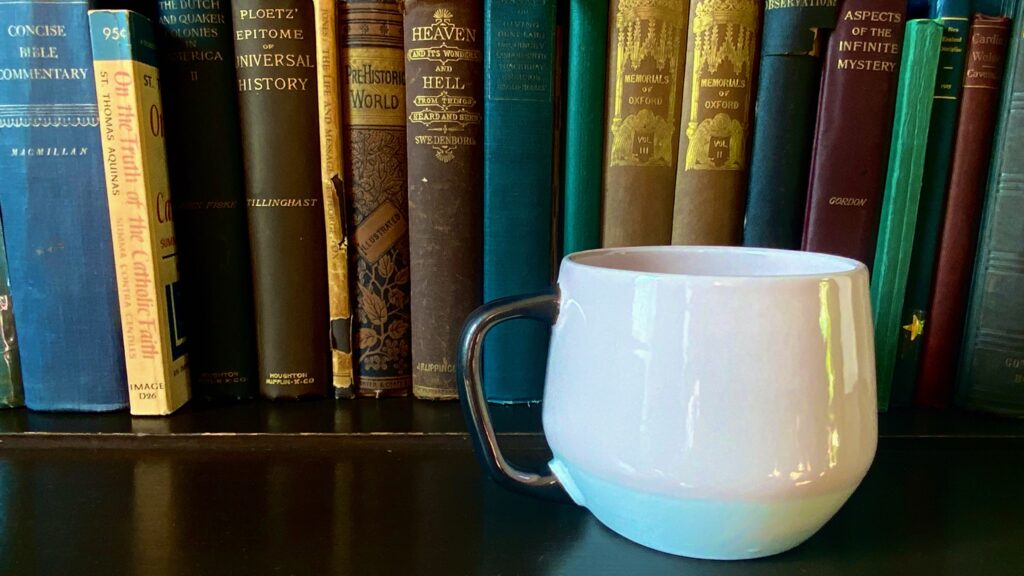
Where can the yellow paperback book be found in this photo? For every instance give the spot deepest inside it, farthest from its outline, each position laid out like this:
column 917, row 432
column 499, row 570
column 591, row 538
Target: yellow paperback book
column 141, row 221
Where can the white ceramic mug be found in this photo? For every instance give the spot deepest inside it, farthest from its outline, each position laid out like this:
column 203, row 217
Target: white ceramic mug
column 707, row 402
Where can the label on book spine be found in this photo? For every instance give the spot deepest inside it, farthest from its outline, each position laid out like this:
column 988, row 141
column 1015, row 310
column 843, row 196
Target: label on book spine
column 724, row 34
column 374, row 77
column 649, row 38
column 142, row 228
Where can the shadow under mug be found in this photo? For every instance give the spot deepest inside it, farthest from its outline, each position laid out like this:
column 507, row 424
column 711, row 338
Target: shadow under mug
column 707, row 402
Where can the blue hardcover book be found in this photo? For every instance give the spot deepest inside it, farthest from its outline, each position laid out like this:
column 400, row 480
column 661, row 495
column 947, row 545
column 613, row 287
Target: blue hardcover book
column 991, row 374
column 519, row 46
column 54, row 206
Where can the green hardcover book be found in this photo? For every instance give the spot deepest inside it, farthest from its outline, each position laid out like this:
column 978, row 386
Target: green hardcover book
column 954, row 16
column 584, row 124
column 11, row 392
column 922, row 41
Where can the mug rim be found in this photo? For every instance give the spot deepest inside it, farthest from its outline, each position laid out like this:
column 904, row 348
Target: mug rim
column 837, row 266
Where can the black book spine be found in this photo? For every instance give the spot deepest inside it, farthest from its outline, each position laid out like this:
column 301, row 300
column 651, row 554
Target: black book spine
column 205, row 160
column 275, row 53
column 792, row 45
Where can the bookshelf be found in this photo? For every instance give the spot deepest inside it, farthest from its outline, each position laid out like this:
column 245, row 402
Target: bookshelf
column 391, row 487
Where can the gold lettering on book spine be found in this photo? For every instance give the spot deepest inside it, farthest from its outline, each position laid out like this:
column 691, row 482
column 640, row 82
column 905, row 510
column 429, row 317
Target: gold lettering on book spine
column 449, row 113
column 648, row 38
column 724, row 43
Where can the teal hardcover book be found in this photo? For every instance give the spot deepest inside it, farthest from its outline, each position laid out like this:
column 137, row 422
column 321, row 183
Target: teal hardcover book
column 954, row 16
column 991, row 373
column 584, row 124
column 922, row 41
column 519, row 59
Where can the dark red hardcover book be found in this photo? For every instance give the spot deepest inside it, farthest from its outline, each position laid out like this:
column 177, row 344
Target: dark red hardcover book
column 851, row 139
column 972, row 152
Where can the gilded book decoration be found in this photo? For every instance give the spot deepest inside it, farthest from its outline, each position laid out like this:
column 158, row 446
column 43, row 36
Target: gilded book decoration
column 374, row 76
column 724, row 42
column 649, row 34
column 445, row 109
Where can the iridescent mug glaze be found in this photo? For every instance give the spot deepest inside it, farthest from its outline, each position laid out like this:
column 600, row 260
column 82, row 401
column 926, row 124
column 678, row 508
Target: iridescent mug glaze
column 707, row 402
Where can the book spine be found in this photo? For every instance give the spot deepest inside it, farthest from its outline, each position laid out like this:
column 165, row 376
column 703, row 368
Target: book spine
column 991, row 373
column 711, row 176
column 986, row 55
column 647, row 41
column 12, row 393
column 275, row 56
column 789, row 77
column 444, row 103
column 922, row 43
column 331, row 171
column 204, row 156
column 59, row 246
column 141, row 217
column 844, row 197
column 377, row 191
column 586, row 70
column 955, row 18
column 518, row 162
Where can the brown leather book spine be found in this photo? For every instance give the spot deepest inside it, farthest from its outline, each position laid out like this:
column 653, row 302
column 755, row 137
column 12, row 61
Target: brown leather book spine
column 854, row 128
column 711, row 174
column 444, row 108
column 647, row 40
column 281, row 153
column 374, row 91
column 979, row 105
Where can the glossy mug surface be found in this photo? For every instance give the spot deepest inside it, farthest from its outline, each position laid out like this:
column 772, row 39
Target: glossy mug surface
column 707, row 402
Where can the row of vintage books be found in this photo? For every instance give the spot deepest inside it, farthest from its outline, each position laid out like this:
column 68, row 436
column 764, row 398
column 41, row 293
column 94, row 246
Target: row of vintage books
column 338, row 183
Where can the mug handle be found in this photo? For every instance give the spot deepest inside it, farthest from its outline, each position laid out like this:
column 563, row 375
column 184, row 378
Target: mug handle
column 543, row 307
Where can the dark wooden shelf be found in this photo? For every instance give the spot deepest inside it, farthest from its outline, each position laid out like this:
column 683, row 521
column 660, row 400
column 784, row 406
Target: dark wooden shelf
column 396, row 416
column 391, row 487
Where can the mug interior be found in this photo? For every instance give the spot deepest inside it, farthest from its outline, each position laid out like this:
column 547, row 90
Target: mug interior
column 734, row 262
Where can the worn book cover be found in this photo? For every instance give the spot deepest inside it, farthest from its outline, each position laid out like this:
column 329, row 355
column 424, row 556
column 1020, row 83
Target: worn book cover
column 141, row 214
column 339, row 322
column 991, row 373
column 444, row 138
column 275, row 54
column 647, row 45
column 972, row 153
column 844, row 196
column 922, row 41
column 56, row 222
column 718, row 90
column 204, row 158
column 793, row 43
column 377, row 190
